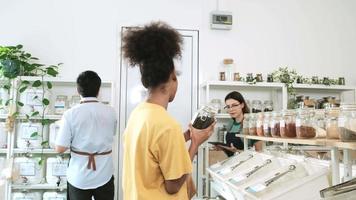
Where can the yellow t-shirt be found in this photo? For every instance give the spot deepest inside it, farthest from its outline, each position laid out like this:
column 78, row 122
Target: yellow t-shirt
column 154, row 151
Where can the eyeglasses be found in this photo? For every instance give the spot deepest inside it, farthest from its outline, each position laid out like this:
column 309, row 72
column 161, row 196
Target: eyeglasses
column 227, row 107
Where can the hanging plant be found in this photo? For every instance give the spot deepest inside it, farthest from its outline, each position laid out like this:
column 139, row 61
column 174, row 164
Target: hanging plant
column 15, row 63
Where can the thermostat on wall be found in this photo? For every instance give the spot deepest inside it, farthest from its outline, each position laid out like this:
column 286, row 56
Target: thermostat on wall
column 221, row 20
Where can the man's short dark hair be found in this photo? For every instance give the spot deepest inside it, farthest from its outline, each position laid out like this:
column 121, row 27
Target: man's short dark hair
column 88, row 84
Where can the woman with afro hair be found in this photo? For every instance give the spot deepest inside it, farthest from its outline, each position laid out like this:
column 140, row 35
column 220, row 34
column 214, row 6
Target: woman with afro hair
column 157, row 164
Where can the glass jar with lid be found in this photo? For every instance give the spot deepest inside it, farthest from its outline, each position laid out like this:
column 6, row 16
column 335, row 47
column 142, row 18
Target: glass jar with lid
column 252, row 124
column 61, row 104
column 347, row 122
column 304, row 123
column 266, row 123
column 319, row 124
column 331, row 123
column 204, row 117
column 268, row 106
column 256, row 106
column 229, row 68
column 216, row 103
column 287, row 124
column 245, row 124
column 274, row 124
column 259, row 124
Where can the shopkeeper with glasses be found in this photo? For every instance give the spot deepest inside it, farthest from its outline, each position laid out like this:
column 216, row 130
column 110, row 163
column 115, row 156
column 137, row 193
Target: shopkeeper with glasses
column 236, row 107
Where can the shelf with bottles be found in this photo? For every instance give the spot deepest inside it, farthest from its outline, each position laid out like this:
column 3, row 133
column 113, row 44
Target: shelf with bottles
column 242, row 84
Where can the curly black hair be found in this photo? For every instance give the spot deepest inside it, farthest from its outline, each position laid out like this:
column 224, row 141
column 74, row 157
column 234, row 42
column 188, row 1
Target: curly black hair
column 153, row 49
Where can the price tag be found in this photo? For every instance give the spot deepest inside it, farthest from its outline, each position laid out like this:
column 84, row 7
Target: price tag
column 27, row 131
column 31, row 99
column 27, row 169
column 341, row 122
column 282, row 123
column 297, row 123
column 256, row 188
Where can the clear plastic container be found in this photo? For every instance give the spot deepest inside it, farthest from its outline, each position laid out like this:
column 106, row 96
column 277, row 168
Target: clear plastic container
column 30, row 134
column 229, row 69
column 54, row 196
column 29, row 170
column 274, row 124
column 259, row 124
column 304, row 124
column 266, row 124
column 287, row 124
column 56, row 171
column 252, row 124
column 245, row 124
column 256, row 106
column 204, row 117
column 347, row 122
column 61, row 104
column 331, row 123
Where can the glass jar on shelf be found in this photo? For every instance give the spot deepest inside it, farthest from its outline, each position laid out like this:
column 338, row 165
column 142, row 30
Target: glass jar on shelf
column 256, row 106
column 319, row 123
column 268, row 106
column 331, row 123
column 347, row 122
column 252, row 124
column 216, row 103
column 75, row 100
column 61, row 104
column 259, row 124
column 274, row 124
column 249, row 77
column 245, row 124
column 304, row 124
column 229, row 69
column 287, row 124
column 204, row 117
column 266, row 123
column 269, row 78
column 259, row 78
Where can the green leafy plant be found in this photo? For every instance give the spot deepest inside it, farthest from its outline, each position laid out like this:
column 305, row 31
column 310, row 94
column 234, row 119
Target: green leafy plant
column 16, row 63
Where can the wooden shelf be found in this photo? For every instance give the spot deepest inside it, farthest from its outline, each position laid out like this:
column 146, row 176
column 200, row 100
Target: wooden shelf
column 319, row 142
column 45, row 186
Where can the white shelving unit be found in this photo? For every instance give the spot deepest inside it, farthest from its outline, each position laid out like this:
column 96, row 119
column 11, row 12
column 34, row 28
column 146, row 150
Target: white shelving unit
column 60, row 87
column 277, row 92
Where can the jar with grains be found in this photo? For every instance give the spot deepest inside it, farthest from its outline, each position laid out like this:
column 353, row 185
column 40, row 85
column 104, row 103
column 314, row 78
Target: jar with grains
column 304, row 124
column 204, row 117
column 252, row 124
column 331, row 123
column 245, row 124
column 268, row 106
column 347, row 122
column 266, row 123
column 287, row 124
column 259, row 124
column 274, row 124
column 319, row 123
column 256, row 106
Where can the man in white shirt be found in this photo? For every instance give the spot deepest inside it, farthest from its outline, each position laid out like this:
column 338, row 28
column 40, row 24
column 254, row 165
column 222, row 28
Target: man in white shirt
column 88, row 130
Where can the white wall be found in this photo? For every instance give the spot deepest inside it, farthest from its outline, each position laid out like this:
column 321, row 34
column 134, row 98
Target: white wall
column 316, row 37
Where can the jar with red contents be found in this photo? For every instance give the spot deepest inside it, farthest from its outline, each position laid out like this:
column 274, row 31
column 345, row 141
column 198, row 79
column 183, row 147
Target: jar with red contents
column 287, row 124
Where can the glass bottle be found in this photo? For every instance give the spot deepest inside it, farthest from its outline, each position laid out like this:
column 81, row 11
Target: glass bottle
column 347, row 122
column 245, row 124
column 331, row 123
column 266, row 123
column 229, row 68
column 274, row 124
column 252, row 124
column 304, row 124
column 259, row 124
column 287, row 124
column 204, row 117
column 61, row 104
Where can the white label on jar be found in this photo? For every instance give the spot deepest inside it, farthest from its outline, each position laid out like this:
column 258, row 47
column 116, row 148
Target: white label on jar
column 27, row 169
column 341, row 121
column 282, row 123
column 59, row 169
column 265, row 126
column 297, row 123
column 259, row 124
column 256, row 188
column 28, row 130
